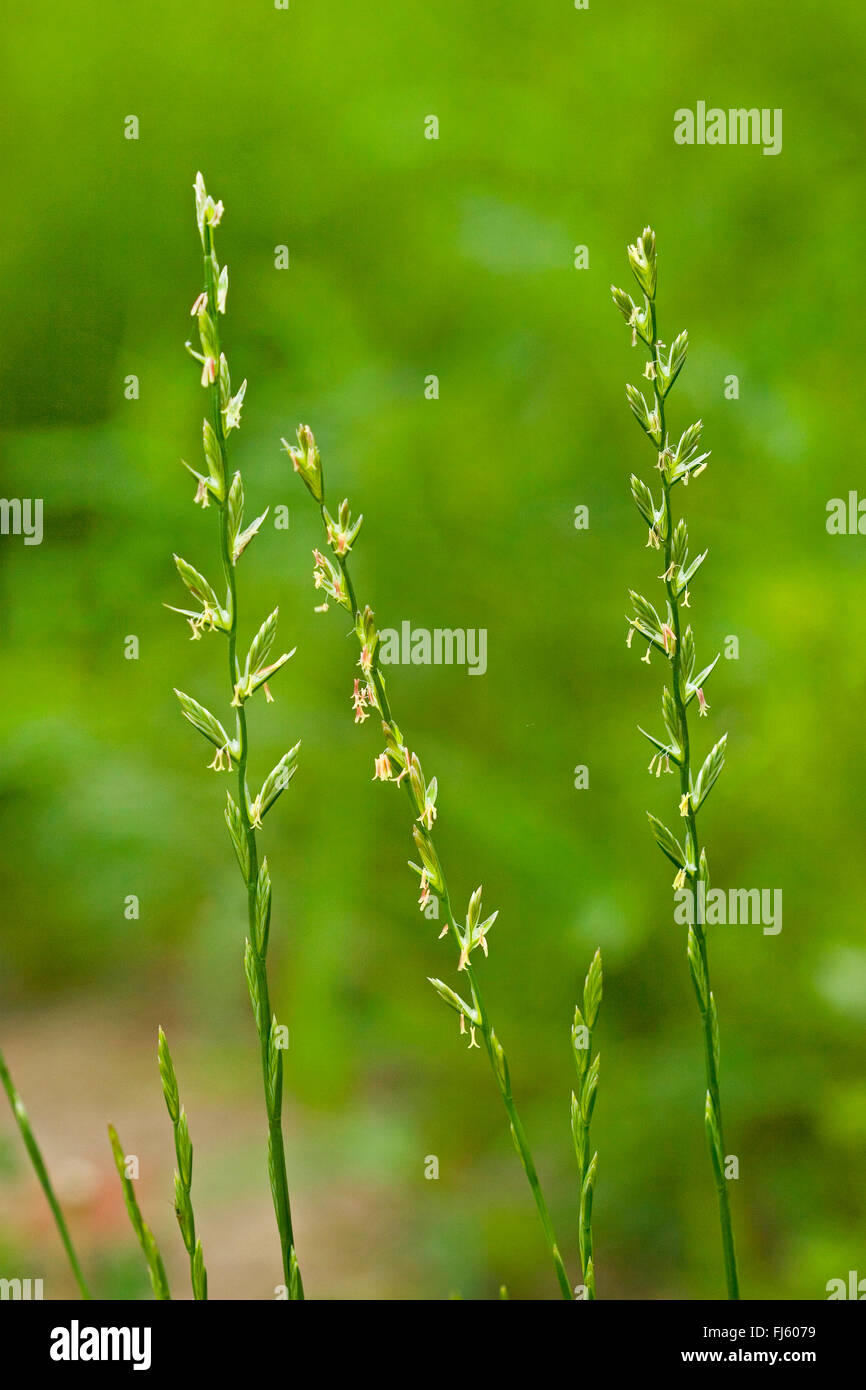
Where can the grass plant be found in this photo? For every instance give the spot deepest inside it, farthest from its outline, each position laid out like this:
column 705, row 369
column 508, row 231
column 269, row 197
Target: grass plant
column 219, row 614
column 398, row 765
column 672, row 639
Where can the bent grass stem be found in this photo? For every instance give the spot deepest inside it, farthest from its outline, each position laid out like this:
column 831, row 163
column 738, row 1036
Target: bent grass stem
column 398, row 764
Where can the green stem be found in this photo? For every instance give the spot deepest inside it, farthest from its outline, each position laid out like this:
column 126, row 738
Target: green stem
column 276, row 1146
column 502, row 1074
column 41, row 1171
column 729, row 1254
column 503, row 1081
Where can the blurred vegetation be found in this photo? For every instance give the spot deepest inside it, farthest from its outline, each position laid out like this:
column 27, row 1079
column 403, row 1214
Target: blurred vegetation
column 453, row 257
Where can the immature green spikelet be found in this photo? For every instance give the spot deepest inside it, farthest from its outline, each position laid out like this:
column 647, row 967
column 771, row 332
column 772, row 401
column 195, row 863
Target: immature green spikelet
column 673, row 640
column 183, row 1175
column 144, row 1235
column 582, row 1106
column 217, row 612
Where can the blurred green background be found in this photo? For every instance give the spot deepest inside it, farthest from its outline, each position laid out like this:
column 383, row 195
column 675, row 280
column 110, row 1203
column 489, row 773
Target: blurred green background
column 411, row 257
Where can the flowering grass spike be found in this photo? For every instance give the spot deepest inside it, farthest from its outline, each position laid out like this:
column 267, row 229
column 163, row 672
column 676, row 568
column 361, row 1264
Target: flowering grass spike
column 402, row 767
column 675, row 643
column 244, row 813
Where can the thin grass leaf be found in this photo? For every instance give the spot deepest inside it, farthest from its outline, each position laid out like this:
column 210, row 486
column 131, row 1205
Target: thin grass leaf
column 37, row 1161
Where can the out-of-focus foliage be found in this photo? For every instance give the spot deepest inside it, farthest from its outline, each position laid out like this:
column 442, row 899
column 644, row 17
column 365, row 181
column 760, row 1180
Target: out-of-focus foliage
column 411, row 257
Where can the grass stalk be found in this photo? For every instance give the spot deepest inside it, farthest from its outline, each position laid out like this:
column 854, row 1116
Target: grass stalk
column 35, row 1154
column 397, row 764
column 675, row 642
column 244, row 814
